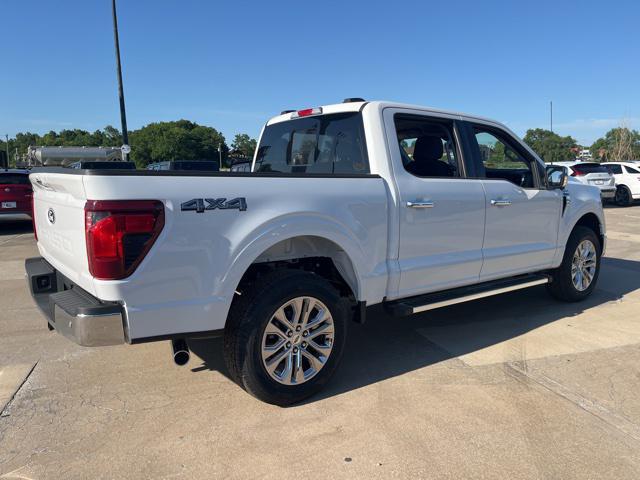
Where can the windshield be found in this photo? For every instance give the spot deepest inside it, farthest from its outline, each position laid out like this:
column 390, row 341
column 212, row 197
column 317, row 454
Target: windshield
column 586, row 168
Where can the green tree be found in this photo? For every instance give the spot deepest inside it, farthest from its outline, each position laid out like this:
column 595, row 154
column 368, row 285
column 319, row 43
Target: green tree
column 244, row 144
column 618, row 144
column 180, row 140
column 550, row 146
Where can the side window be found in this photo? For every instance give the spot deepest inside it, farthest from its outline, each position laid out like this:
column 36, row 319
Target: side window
column 326, row 144
column 616, row 169
column 631, row 169
column 427, row 146
column 501, row 159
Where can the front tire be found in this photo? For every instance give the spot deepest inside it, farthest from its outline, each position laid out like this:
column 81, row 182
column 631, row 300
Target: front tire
column 623, row 196
column 285, row 336
column 577, row 275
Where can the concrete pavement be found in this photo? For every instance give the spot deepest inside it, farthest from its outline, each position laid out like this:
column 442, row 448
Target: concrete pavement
column 516, row 386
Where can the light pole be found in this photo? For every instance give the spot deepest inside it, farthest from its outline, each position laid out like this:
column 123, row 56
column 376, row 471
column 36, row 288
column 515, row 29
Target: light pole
column 6, row 137
column 123, row 115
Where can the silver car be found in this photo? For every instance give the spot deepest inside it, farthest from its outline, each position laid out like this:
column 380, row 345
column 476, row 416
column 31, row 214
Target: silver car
column 591, row 173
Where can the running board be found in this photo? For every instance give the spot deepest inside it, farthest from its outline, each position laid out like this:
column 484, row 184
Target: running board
column 431, row 301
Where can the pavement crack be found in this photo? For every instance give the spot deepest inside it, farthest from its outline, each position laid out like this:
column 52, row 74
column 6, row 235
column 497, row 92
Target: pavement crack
column 5, row 410
column 612, row 419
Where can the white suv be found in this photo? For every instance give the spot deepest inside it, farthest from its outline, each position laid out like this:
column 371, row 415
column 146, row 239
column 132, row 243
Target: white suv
column 591, row 173
column 627, row 177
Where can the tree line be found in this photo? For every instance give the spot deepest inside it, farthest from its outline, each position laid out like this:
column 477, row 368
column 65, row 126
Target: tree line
column 186, row 140
column 158, row 141
column 618, row 144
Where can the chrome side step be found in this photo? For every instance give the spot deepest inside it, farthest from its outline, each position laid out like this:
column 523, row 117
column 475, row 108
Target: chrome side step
column 431, row 301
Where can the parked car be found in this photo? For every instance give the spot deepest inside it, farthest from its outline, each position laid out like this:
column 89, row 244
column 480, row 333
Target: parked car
column 336, row 217
column 199, row 165
column 591, row 173
column 15, row 192
column 96, row 164
column 627, row 177
column 241, row 166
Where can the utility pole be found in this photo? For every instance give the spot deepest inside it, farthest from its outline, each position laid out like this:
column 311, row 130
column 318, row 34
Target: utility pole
column 7, row 148
column 123, row 115
column 551, row 124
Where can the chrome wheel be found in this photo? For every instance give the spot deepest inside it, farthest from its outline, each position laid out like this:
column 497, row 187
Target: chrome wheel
column 583, row 265
column 297, row 341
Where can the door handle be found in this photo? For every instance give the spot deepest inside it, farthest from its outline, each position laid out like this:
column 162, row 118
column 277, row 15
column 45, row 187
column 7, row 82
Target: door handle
column 500, row 203
column 424, row 204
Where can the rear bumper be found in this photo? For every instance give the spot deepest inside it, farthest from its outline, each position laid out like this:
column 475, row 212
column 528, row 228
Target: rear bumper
column 15, row 213
column 71, row 311
column 608, row 192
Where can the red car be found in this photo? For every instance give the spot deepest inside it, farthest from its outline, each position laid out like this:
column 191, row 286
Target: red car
column 15, row 192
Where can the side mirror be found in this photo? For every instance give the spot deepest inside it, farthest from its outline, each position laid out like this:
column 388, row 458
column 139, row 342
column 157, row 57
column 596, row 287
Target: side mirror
column 557, row 176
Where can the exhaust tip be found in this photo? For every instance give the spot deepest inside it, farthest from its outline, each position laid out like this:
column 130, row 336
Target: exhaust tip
column 181, row 352
column 181, row 358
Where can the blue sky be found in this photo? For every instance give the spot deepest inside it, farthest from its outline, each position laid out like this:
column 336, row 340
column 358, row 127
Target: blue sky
column 231, row 65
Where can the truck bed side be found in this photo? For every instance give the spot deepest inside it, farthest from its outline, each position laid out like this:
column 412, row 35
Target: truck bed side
column 187, row 280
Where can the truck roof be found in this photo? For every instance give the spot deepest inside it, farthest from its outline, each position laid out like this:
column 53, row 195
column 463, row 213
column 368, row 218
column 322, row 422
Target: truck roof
column 381, row 105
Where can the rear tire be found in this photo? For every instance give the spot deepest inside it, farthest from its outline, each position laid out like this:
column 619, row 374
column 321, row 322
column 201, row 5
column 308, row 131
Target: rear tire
column 269, row 317
column 623, row 196
column 577, row 275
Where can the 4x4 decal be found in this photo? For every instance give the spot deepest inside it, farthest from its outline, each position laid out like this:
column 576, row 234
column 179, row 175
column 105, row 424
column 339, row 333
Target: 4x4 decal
column 199, row 205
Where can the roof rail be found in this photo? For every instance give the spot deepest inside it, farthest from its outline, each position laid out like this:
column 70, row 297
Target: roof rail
column 353, row 100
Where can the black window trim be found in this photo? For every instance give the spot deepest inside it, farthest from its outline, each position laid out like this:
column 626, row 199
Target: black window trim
column 457, row 137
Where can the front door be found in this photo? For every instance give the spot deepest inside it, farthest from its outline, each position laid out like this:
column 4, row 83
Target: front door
column 522, row 215
column 440, row 212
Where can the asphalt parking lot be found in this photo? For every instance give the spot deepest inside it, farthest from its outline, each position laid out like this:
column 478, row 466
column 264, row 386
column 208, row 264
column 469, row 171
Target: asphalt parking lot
column 516, row 386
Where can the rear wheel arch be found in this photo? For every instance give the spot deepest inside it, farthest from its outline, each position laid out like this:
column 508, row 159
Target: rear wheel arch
column 311, row 253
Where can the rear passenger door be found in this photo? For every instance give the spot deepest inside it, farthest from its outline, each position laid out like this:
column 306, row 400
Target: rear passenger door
column 522, row 215
column 440, row 213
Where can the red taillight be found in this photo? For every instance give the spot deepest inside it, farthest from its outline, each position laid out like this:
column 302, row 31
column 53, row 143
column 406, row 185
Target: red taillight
column 119, row 234
column 307, row 112
column 33, row 218
column 577, row 173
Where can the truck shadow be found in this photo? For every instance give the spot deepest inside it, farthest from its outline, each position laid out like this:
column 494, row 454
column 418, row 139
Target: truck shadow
column 387, row 347
column 14, row 226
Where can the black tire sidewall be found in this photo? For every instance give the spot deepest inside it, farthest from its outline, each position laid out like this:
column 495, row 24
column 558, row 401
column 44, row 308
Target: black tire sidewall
column 628, row 201
column 254, row 376
column 562, row 286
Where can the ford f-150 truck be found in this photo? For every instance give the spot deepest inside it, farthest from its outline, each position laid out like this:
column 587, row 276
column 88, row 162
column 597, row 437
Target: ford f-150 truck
column 347, row 206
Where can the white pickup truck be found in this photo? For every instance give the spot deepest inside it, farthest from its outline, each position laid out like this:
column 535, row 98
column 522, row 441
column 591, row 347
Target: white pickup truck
column 346, row 206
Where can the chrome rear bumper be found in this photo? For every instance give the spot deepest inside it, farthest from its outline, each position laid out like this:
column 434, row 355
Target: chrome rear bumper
column 71, row 311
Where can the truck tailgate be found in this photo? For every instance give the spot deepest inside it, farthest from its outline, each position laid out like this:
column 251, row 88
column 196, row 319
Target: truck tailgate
column 59, row 201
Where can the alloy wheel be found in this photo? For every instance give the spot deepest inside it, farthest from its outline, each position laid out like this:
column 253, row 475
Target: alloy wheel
column 297, row 340
column 583, row 265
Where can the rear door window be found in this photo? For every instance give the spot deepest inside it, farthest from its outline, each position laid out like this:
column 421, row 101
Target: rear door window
column 326, row 144
column 617, row 169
